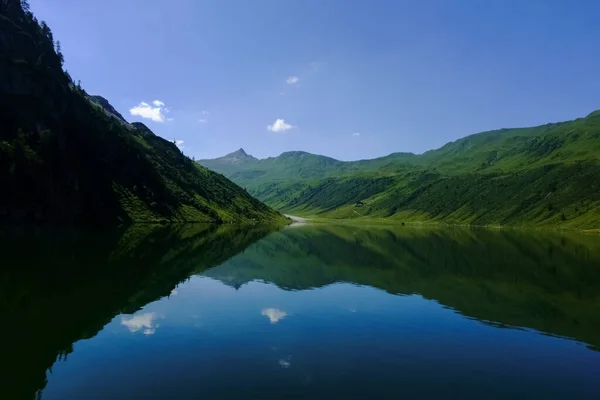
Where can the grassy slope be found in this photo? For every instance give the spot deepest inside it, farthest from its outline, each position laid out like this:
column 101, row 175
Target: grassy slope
column 66, row 158
column 540, row 176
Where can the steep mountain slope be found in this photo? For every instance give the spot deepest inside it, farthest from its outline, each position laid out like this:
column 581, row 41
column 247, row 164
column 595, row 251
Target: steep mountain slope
column 539, row 176
column 69, row 157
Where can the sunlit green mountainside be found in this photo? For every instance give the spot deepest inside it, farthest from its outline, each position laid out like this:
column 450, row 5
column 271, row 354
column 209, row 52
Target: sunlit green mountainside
column 540, row 176
column 48, row 301
column 69, row 157
column 546, row 281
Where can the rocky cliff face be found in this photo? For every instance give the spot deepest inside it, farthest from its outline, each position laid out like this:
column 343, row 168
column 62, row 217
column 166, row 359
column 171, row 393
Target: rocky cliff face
column 108, row 108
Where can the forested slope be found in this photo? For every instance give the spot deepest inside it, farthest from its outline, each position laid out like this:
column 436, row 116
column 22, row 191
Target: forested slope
column 69, row 157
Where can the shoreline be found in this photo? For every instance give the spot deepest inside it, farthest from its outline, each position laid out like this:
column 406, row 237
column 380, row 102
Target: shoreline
column 382, row 221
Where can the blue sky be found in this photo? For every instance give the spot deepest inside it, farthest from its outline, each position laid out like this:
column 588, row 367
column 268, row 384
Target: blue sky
column 348, row 79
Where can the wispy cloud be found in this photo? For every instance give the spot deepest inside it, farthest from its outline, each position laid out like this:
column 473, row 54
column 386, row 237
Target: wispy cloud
column 275, row 315
column 356, row 134
column 157, row 112
column 204, row 118
column 179, row 143
column 292, row 80
column 144, row 322
column 317, row 66
column 279, row 126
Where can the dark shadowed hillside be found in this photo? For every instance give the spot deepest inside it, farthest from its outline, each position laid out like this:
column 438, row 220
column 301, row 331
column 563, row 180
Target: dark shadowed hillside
column 69, row 157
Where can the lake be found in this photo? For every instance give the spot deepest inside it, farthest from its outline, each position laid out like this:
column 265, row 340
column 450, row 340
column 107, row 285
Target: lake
column 307, row 311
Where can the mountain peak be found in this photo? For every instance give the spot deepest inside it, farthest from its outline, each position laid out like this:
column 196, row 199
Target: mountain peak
column 107, row 108
column 239, row 154
column 237, row 157
column 294, row 153
column 594, row 114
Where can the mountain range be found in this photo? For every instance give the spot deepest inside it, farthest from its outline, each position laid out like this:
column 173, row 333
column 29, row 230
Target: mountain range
column 540, row 176
column 69, row 157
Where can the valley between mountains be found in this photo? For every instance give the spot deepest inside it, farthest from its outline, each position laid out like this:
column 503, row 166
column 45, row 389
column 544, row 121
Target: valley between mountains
column 543, row 176
column 68, row 156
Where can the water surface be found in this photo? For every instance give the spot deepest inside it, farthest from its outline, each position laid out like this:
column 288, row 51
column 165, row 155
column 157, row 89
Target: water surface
column 310, row 311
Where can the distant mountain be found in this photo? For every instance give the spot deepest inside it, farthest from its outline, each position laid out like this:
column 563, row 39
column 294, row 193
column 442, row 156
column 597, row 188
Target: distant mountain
column 239, row 156
column 538, row 176
column 289, row 165
column 66, row 156
column 230, row 162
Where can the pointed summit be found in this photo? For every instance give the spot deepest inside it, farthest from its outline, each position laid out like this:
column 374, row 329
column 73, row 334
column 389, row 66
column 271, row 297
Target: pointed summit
column 237, row 158
column 240, row 152
column 237, row 155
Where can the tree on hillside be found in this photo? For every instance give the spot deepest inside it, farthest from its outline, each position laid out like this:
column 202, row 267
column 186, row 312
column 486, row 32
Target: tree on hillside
column 58, row 53
column 46, row 31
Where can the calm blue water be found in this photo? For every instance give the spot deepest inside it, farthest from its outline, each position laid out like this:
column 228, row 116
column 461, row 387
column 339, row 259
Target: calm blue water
column 305, row 312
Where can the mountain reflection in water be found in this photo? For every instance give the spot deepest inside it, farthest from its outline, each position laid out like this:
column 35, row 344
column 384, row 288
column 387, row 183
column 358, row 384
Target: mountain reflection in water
column 60, row 286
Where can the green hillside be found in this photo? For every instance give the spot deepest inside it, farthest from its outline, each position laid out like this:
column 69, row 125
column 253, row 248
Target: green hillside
column 539, row 176
column 66, row 156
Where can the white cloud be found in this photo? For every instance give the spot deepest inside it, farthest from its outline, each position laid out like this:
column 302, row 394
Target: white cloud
column 144, row 322
column 174, row 292
column 158, row 113
column 292, row 80
column 274, row 314
column 179, row 143
column 279, row 126
column 356, row 134
column 203, row 120
column 284, row 363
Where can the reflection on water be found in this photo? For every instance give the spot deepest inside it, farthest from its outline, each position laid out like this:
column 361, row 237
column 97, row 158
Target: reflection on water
column 145, row 322
column 312, row 311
